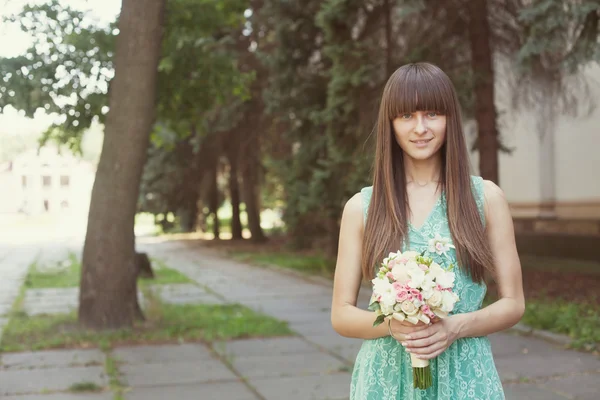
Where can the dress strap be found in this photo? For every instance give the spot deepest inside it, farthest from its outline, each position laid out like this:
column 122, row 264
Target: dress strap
column 366, row 194
column 478, row 193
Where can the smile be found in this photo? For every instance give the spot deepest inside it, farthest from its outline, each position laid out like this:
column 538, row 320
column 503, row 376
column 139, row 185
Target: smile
column 425, row 141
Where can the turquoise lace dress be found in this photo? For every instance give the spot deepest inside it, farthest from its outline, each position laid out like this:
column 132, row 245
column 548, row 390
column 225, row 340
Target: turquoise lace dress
column 466, row 370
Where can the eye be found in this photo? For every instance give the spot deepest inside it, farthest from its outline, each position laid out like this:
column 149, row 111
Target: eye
column 405, row 115
column 432, row 114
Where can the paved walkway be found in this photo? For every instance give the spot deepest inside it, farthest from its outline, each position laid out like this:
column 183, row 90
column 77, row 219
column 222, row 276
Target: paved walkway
column 315, row 364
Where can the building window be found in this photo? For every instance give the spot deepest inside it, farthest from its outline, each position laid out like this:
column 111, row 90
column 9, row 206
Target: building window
column 64, row 204
column 46, row 205
column 24, row 181
column 46, row 181
column 64, row 181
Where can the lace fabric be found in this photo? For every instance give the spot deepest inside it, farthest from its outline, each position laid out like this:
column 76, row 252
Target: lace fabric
column 466, row 370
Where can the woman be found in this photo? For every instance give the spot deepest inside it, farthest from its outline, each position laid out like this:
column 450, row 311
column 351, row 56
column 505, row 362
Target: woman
column 422, row 187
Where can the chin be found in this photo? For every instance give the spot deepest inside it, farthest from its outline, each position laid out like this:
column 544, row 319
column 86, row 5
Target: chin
column 422, row 156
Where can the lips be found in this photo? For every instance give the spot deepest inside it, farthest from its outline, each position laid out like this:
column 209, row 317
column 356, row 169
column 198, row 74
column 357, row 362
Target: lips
column 424, row 141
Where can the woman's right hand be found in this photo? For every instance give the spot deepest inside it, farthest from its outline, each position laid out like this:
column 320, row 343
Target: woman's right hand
column 401, row 329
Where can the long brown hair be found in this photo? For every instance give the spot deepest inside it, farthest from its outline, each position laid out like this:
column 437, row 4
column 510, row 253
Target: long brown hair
column 423, row 87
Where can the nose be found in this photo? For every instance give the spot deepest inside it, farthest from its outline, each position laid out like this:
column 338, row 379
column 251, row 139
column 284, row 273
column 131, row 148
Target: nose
column 421, row 126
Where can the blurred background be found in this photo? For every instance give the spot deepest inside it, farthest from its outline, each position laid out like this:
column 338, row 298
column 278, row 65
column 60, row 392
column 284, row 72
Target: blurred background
column 241, row 128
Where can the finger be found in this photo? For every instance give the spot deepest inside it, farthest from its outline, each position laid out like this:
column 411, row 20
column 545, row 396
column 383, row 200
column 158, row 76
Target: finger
column 423, row 333
column 407, row 330
column 424, row 342
column 431, row 355
column 408, row 325
column 426, row 350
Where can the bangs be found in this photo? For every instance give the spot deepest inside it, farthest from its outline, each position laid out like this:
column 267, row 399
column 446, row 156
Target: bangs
column 418, row 89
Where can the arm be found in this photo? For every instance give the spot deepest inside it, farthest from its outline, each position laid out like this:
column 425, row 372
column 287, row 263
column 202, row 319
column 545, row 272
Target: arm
column 509, row 309
column 347, row 319
column 500, row 315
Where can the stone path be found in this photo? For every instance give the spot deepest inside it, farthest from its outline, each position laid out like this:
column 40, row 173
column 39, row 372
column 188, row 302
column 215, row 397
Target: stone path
column 14, row 263
column 315, row 364
column 65, row 300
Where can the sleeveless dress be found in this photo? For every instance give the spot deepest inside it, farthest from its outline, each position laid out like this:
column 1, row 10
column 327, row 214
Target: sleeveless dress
column 465, row 370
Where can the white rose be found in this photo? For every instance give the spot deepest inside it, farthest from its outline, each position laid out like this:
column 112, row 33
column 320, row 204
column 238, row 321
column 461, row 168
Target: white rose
column 387, row 302
column 400, row 274
column 417, row 276
column 381, row 286
column 446, row 280
column 435, row 270
column 411, row 255
column 408, row 308
column 436, row 299
column 448, row 301
column 428, row 284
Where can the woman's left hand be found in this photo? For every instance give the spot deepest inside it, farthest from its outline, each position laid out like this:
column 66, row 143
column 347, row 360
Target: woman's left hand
column 432, row 341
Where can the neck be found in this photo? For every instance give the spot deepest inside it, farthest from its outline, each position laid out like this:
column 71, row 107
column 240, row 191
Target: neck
column 423, row 172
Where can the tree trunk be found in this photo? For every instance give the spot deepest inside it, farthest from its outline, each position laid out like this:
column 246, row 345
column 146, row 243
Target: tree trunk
column 389, row 48
column 108, row 295
column 483, row 71
column 251, row 198
column 214, row 202
column 234, row 192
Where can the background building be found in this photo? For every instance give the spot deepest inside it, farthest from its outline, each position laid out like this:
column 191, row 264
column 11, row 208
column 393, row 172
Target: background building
column 46, row 181
column 554, row 175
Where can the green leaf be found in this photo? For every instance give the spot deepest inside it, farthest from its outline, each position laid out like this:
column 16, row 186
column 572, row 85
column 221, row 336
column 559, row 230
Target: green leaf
column 379, row 320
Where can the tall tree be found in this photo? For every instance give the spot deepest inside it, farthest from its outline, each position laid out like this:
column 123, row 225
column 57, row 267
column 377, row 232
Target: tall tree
column 108, row 295
column 483, row 75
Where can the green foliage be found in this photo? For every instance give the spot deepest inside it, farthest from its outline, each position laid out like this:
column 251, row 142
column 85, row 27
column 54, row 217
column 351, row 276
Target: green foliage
column 308, row 264
column 84, row 387
column 199, row 68
column 580, row 321
column 67, row 273
column 560, row 34
column 164, row 323
column 62, row 274
column 66, row 71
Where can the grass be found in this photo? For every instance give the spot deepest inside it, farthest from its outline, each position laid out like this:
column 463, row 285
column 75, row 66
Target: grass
column 164, row 275
column 164, row 323
column 66, row 274
column 579, row 321
column 308, row 264
column 112, row 371
column 84, row 387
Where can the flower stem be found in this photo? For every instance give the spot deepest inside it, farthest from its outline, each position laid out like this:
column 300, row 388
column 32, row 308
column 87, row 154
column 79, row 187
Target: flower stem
column 422, row 377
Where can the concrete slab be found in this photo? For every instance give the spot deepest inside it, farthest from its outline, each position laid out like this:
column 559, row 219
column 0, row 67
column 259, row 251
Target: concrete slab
column 509, row 344
column 539, row 366
column 315, row 387
column 223, row 390
column 48, row 379
column 52, row 359
column 527, row 391
column 139, row 355
column 265, row 347
column 64, row 396
column 287, row 365
column 584, row 387
column 198, row 371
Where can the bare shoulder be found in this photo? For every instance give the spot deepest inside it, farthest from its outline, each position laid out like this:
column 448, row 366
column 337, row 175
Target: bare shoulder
column 496, row 204
column 354, row 204
column 353, row 210
column 493, row 193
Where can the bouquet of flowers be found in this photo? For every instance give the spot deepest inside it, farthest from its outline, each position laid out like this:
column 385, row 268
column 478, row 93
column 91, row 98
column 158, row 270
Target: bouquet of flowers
column 411, row 287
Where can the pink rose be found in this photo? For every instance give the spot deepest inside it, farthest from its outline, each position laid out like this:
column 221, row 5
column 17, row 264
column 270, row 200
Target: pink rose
column 401, row 292
column 427, row 311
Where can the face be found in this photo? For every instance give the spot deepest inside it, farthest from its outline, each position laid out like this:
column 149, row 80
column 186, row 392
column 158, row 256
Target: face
column 420, row 134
